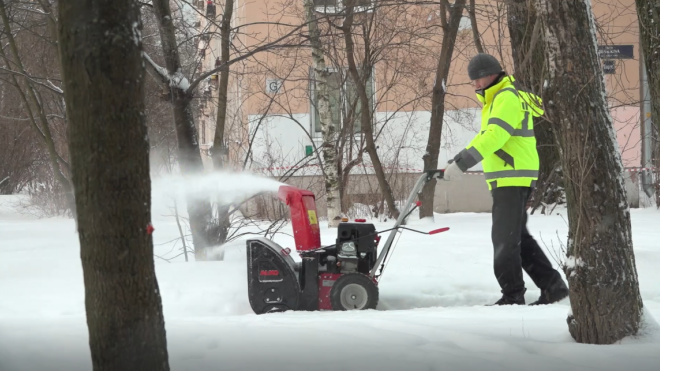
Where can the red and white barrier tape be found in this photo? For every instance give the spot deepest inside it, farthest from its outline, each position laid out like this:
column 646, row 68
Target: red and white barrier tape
column 415, row 170
column 316, row 165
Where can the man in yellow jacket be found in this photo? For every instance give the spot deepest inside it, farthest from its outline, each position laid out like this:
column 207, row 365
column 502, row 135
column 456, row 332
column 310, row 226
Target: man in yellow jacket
column 506, row 146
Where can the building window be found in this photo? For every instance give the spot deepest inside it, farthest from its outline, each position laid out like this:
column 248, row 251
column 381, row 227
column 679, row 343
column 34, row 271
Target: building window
column 337, row 6
column 325, row 6
column 343, row 98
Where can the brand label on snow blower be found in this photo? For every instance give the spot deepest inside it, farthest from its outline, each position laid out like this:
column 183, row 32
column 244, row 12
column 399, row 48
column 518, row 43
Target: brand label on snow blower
column 312, row 217
column 272, row 272
column 269, row 274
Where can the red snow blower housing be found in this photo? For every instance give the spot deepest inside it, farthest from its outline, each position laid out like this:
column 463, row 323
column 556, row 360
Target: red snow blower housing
column 341, row 276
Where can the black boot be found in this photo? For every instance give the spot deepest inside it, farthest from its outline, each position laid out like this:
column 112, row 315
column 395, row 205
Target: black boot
column 556, row 292
column 516, row 298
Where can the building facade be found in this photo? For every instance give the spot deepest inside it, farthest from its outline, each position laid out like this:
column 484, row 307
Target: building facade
column 272, row 126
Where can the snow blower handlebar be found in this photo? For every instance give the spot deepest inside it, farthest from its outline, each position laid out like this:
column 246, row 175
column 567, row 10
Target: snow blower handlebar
column 427, row 176
column 433, row 232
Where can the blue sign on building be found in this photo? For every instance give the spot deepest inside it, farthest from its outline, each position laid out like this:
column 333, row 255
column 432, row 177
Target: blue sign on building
column 615, row 51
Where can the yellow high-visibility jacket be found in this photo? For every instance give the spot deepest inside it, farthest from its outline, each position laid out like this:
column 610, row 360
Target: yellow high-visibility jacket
column 505, row 145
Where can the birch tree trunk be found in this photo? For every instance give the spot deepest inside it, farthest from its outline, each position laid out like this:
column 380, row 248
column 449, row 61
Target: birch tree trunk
column 600, row 265
column 328, row 128
column 101, row 57
column 450, row 21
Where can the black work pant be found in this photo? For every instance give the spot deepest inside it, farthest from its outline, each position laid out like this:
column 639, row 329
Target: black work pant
column 514, row 247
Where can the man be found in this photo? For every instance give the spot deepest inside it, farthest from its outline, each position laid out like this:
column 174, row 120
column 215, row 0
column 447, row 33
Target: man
column 506, row 146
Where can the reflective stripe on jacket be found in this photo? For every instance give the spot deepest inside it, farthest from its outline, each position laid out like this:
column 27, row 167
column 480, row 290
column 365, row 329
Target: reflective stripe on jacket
column 506, row 144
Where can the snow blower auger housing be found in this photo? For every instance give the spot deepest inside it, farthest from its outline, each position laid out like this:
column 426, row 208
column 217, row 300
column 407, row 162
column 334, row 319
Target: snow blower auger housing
column 341, row 276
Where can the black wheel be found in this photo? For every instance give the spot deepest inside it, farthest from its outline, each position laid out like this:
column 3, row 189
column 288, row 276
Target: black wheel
column 354, row 291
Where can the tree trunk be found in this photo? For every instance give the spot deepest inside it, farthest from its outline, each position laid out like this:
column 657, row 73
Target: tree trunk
column 529, row 60
column 328, row 129
column 103, row 76
column 431, row 157
column 475, row 30
column 190, row 162
column 220, row 155
column 604, row 291
column 366, row 120
column 649, row 19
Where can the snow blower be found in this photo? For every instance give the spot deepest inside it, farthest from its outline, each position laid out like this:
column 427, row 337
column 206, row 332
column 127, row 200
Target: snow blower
column 341, row 276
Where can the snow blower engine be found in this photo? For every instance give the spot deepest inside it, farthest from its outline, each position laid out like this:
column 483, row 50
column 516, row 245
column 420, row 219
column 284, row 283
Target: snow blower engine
column 341, row 276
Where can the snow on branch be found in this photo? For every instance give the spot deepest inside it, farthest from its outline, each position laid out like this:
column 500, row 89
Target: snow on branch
column 174, row 80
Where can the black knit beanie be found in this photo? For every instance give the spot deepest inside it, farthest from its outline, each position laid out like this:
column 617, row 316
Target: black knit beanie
column 483, row 65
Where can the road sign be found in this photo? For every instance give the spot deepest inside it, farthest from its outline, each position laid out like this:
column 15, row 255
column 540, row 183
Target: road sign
column 274, row 85
column 608, row 67
column 615, row 51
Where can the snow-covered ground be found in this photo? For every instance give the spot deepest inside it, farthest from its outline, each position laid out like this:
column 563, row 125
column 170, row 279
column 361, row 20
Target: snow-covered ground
column 431, row 314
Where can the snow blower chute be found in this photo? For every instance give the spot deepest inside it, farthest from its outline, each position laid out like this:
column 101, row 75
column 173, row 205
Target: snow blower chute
column 341, row 276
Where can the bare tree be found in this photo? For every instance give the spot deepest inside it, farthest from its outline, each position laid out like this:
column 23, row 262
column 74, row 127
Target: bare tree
column 604, row 291
column 206, row 231
column 101, row 56
column 649, row 18
column 20, row 151
column 450, row 15
column 218, row 151
column 189, row 155
column 40, row 97
column 530, row 72
column 360, row 84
